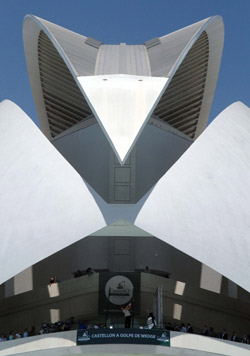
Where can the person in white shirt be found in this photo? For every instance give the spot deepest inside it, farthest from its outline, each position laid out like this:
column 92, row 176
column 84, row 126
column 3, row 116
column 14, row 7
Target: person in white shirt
column 18, row 335
column 151, row 323
column 127, row 313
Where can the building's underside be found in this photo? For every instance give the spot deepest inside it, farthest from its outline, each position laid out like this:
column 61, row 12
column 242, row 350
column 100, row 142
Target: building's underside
column 127, row 175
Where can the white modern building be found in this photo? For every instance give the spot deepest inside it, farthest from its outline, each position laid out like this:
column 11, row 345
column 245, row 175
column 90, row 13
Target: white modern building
column 124, row 177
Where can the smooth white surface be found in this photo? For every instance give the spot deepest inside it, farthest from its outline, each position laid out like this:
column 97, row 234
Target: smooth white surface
column 201, row 205
column 38, row 343
column 45, row 205
column 210, row 345
column 122, row 104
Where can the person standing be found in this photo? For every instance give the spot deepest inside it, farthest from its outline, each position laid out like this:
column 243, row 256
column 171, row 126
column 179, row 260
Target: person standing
column 151, row 323
column 127, row 313
column 189, row 329
column 183, row 328
column 234, row 337
column 224, row 335
column 205, row 331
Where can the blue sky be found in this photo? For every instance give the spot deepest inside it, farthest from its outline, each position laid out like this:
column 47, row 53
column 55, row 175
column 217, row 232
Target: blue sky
column 133, row 22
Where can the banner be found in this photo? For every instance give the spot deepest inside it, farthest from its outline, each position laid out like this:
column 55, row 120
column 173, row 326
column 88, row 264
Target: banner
column 123, row 336
column 117, row 290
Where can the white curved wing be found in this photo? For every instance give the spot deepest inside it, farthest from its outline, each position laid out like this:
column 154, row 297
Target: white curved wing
column 201, row 205
column 44, row 203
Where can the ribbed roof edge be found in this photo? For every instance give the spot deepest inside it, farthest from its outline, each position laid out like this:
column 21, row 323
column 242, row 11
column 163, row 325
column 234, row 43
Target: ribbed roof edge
column 166, row 53
column 70, row 47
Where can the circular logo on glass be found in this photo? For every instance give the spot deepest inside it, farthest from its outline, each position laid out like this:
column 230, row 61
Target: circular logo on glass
column 119, row 290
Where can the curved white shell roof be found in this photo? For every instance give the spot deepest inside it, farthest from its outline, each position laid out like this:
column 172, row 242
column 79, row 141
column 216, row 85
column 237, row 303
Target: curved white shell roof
column 177, row 54
column 200, row 206
column 45, row 205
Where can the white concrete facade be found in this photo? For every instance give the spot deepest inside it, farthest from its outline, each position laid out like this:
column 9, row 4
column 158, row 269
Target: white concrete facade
column 207, row 221
column 38, row 189
column 126, row 141
column 135, row 99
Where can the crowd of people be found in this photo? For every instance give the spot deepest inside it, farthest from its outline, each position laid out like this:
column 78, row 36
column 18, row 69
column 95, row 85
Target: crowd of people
column 80, row 273
column 210, row 332
column 70, row 324
column 45, row 328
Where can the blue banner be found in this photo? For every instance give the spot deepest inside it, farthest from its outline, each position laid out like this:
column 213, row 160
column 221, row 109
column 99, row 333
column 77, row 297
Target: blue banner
column 123, row 336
